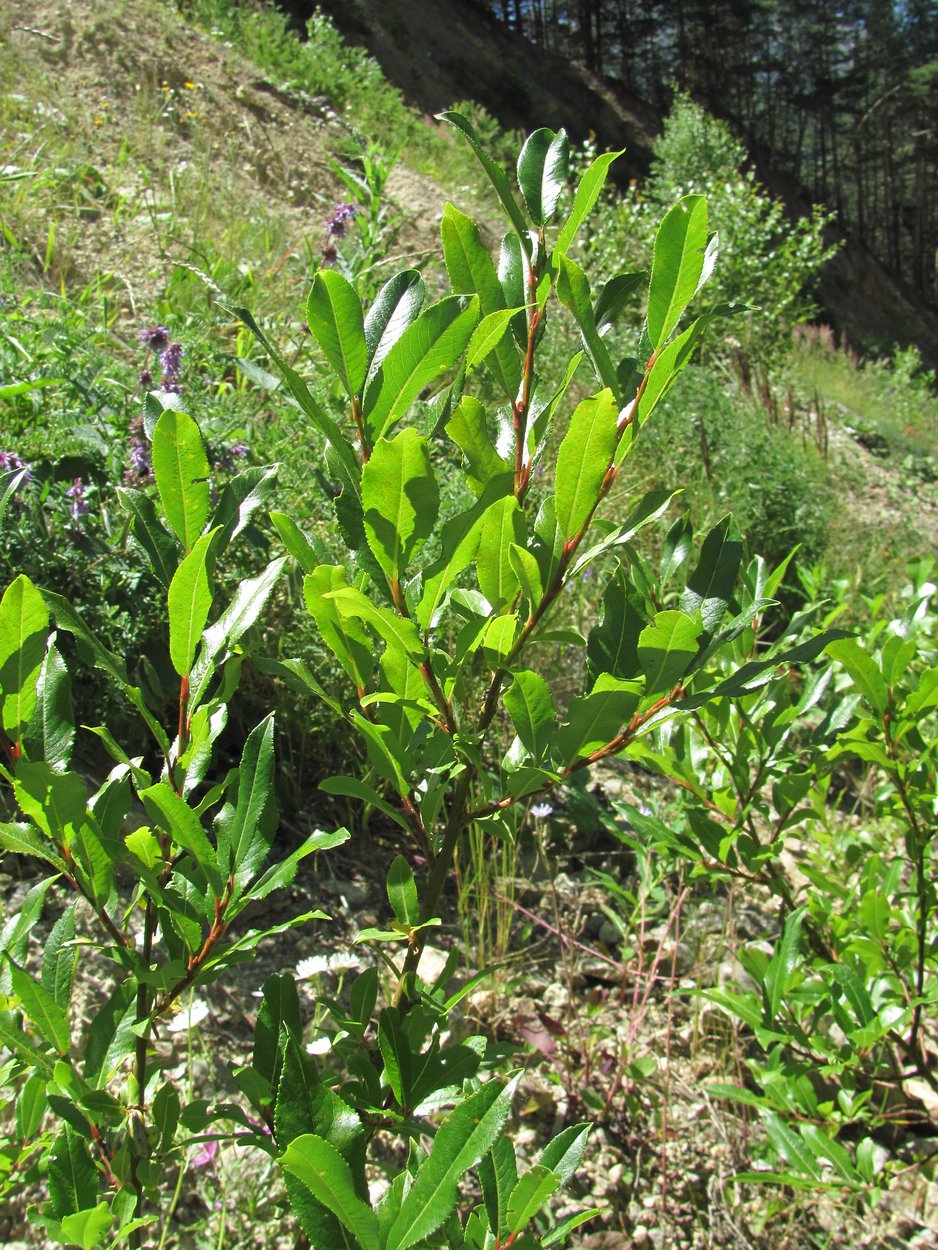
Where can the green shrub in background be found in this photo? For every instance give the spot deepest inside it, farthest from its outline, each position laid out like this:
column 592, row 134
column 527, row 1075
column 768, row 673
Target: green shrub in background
column 767, row 261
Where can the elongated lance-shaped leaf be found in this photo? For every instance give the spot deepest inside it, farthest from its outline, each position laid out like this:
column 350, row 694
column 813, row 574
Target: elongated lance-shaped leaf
column 60, row 958
column 343, row 634
column 497, row 177
column 864, row 672
column 334, row 315
column 40, row 1008
column 395, row 306
column 468, row 428
column 542, row 172
column 401, row 500
column 57, row 802
column 781, row 965
column 189, row 601
column 240, row 498
column 429, row 347
column 612, row 644
column 150, row 534
column 498, row 1174
column 181, row 469
column 241, row 613
column 352, row 788
column 504, row 526
column 329, row 1178
column 668, row 365
column 51, row 731
column 710, row 586
column 9, row 485
column 584, row 456
column 24, row 628
column 587, row 193
column 573, row 291
column 562, row 1155
column 72, row 1177
column 529, row 1195
column 462, row 1139
column 472, row 272
column 244, row 835
column 176, row 817
column 402, row 891
column 461, row 537
column 396, row 630
column 676, row 266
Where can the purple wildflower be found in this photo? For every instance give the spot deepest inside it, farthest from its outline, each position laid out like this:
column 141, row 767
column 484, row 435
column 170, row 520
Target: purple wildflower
column 146, row 379
column 206, row 1155
column 156, row 338
column 139, row 469
column 76, row 493
column 338, row 223
column 11, row 462
column 237, row 451
column 170, row 361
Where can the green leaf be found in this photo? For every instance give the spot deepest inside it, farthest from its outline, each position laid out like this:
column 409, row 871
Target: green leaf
column 782, row 964
column 472, row 272
column 30, row 1107
column 542, row 172
column 612, row 645
column 487, row 336
column 88, row 1228
column 151, row 536
column 864, row 672
column 665, row 649
column 60, row 958
column 181, row 469
column 57, row 802
column 402, row 891
column 24, row 627
column 72, row 1178
column 460, row 540
column 248, row 832
column 587, row 193
column 461, row 1140
column 583, row 459
column 710, row 587
column 559, row 1233
column 562, row 1155
column 668, row 365
column 334, row 315
column 43, row 1012
column 352, row 788
column 395, row 306
column 51, row 731
column 529, row 1195
column 499, row 639
column 400, row 499
column 145, row 846
column 22, row 839
column 166, row 1108
column 676, row 266
column 306, row 1105
column 240, row 498
column 344, row 635
column 498, row 1174
column 527, row 570
column 306, row 550
column 394, row 1045
column 425, row 351
column 504, row 526
column 613, row 297
column 595, row 719
column 790, row 1145
column 177, row 818
column 497, row 177
column 189, row 601
column 529, row 704
column 329, row 1178
column 396, row 630
column 468, row 429
column 573, row 291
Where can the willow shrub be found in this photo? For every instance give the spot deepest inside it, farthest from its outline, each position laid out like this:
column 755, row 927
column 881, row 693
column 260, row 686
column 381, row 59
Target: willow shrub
column 437, row 621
